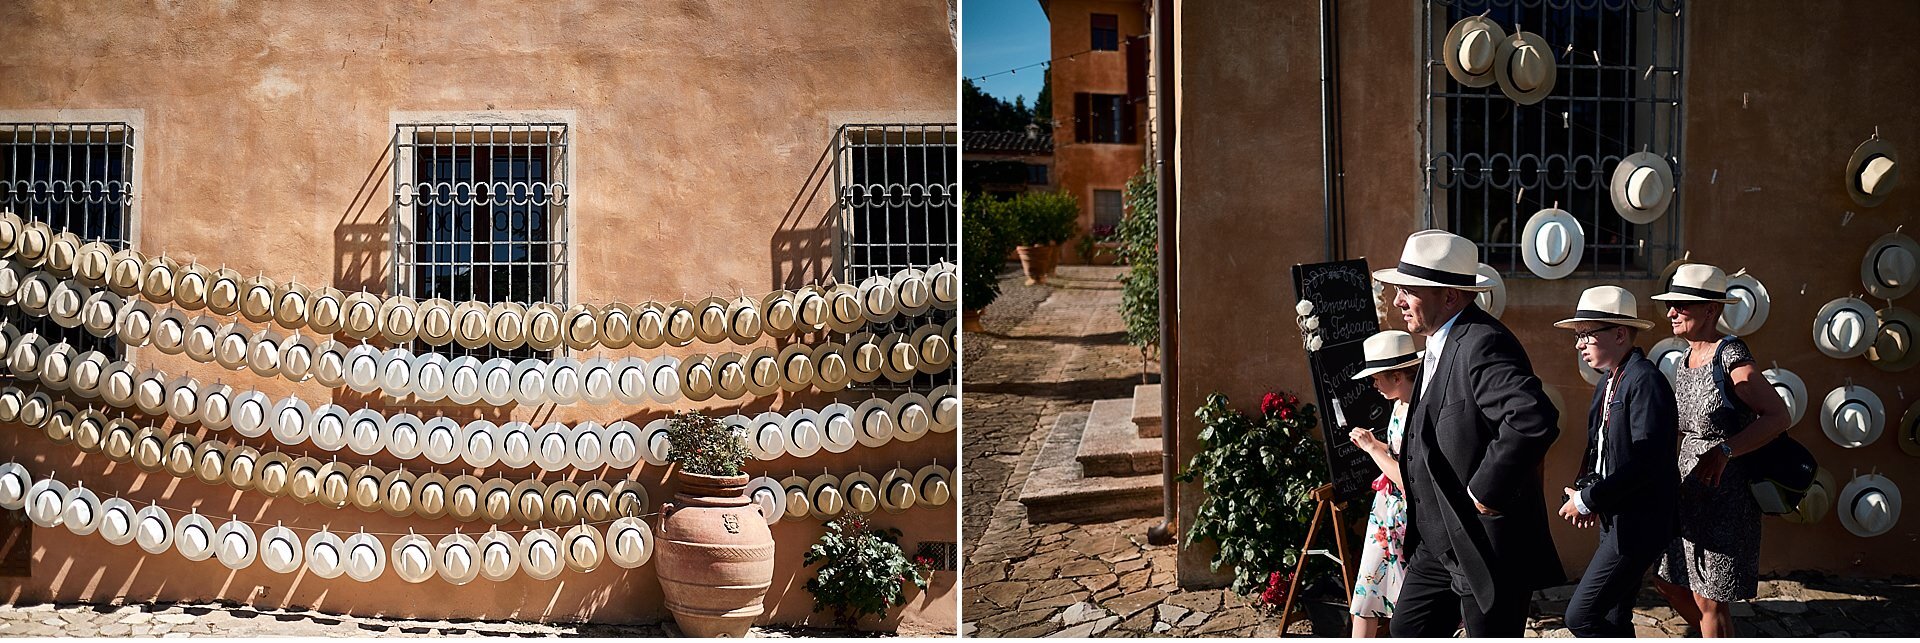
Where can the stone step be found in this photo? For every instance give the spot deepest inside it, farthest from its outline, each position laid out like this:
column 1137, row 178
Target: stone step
column 1111, row 444
column 1057, row 489
column 1146, row 409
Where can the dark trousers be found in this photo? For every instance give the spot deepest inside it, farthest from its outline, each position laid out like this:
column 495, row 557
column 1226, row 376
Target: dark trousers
column 1602, row 604
column 1433, row 605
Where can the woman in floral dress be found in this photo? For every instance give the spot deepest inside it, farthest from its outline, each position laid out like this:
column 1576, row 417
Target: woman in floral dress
column 1392, row 363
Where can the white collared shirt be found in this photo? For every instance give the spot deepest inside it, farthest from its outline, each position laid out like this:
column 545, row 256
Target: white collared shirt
column 1436, row 343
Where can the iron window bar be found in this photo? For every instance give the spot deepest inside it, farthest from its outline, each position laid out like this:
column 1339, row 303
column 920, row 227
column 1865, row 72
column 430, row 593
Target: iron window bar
column 897, row 191
column 75, row 177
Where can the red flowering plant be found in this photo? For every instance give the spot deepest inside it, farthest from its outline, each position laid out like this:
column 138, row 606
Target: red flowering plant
column 1259, row 474
column 862, row 570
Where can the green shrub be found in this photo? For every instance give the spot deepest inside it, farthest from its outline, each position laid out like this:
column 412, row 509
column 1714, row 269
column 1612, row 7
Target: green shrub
column 1138, row 236
column 987, row 237
column 704, row 445
column 1043, row 218
column 1258, row 474
column 862, row 570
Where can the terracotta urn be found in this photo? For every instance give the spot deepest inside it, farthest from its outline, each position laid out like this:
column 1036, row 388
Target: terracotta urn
column 715, row 555
column 1036, row 262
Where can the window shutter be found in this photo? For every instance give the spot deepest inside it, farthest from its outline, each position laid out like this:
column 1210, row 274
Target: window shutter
column 1137, row 57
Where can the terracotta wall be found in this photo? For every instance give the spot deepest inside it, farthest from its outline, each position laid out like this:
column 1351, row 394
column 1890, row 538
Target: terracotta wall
column 698, row 132
column 1084, row 167
column 1775, row 122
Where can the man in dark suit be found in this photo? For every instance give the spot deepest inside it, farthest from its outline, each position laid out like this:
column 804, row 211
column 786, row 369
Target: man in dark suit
column 1630, row 477
column 1476, row 442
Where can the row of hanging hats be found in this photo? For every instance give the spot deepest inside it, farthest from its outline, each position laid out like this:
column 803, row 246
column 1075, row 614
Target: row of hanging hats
column 1869, row 505
column 822, row 497
column 457, row 558
column 1478, row 52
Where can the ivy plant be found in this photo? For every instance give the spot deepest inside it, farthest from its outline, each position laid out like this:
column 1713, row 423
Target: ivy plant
column 1258, row 474
column 862, row 570
column 704, row 445
column 1138, row 239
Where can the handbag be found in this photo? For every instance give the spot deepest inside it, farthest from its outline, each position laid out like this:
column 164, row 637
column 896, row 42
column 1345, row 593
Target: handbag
column 1781, row 472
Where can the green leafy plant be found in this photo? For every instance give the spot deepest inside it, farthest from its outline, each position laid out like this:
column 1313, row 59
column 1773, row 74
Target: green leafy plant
column 862, row 570
column 1043, row 218
column 1258, row 474
column 1138, row 239
column 703, row 445
column 987, row 236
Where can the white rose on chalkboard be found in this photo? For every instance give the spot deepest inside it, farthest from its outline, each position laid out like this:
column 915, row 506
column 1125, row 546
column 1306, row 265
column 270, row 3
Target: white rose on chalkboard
column 1313, row 323
column 1303, row 308
column 1313, row 344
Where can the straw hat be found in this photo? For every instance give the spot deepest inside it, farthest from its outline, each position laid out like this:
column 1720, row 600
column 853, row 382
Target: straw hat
column 429, row 375
column 117, row 521
column 824, row 498
column 563, row 501
column 832, row 369
column 399, row 319
column 543, row 326
column 223, row 292
column 730, row 380
column 615, row 325
column 10, row 225
column 580, row 327
column 867, row 357
column 903, row 358
column 210, row 462
column 11, row 274
column 294, row 360
column 710, row 320
column 243, row 467
column 1642, row 187
column 179, row 449
column 396, row 371
column 365, row 488
column 529, row 501
column 1470, row 49
column 1606, row 305
column 264, row 353
column 330, row 364
column 811, row 309
column 629, row 542
column 413, row 557
column 430, row 495
column 945, row 400
column 649, row 325
column 397, row 491
column 1440, row 259
column 516, row 445
column 34, row 411
column 477, row 445
column 1791, row 389
column 31, row 245
column 335, row 484
column 67, row 302
column 59, row 425
column 507, row 325
column 467, row 322
column 551, row 449
column 744, row 322
column 654, row 444
column 596, row 381
column 440, row 440
column 697, row 377
column 366, row 558
column 563, row 380
column 913, row 291
column 1852, row 416
column 280, row 550
column 463, row 380
column 897, row 492
column 1697, row 282
column 362, row 368
column 766, row 434
column 623, row 444
column 1872, row 172
column 101, row 313
column 797, row 367
column 1845, row 328
column 1893, row 346
column 934, row 344
column 496, row 381
column 1524, row 65
column 588, row 450
column 456, row 558
column 877, row 420
column 797, row 504
column 496, row 500
column 23, row 356
column 845, row 314
column 584, row 549
column 14, row 483
column 276, row 473
column 763, row 372
column 879, row 302
column 360, row 316
column 863, row 492
column 80, row 511
column 237, row 547
column 11, row 398
column 596, row 501
column 1552, row 244
column 256, row 298
column 499, row 556
column 463, row 498
column 781, row 316
column 1869, row 505
column 56, row 366
column 530, row 381
column 767, row 494
column 90, row 263
column 540, row 554
column 916, row 419
column 61, row 252
column 1891, row 266
column 291, row 302
column 290, row 421
column 326, row 554
column 209, row 340
column 153, row 530
column 193, row 537
column 630, row 499
column 1749, row 308
column 933, row 485
column 117, row 440
column 369, row 432
column 839, row 428
column 35, row 293
column 156, row 280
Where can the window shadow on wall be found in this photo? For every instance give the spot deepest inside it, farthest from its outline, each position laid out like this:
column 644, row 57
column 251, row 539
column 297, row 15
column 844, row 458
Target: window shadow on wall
column 804, row 245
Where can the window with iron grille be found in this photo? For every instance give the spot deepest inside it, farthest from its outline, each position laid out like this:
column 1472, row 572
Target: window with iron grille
column 1493, row 163
column 74, row 177
column 1106, row 209
column 1103, row 118
column 899, row 201
column 942, row 556
column 481, row 216
column 1106, row 31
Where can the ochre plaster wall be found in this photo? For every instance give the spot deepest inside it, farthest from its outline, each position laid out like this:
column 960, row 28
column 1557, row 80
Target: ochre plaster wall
column 1084, row 167
column 698, row 136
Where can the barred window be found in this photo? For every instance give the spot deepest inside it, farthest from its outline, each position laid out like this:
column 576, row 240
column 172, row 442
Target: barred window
column 898, row 198
column 1103, row 118
column 480, row 215
column 1106, row 209
column 74, row 177
column 1492, row 163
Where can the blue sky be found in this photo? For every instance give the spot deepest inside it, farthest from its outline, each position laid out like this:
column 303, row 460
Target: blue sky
column 997, row 35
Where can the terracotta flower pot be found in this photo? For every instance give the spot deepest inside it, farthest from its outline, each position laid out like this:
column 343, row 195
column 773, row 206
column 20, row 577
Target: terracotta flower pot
column 715, row 556
column 970, row 322
column 1036, row 262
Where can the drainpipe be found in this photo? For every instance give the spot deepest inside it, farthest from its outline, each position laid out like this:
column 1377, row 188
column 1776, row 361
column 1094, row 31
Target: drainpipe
column 1166, row 532
column 1329, row 150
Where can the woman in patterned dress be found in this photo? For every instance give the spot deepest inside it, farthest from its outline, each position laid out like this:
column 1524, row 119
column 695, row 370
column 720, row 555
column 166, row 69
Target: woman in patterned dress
column 1392, row 363
column 1715, row 559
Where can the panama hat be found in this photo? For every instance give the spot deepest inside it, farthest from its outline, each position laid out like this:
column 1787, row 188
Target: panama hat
column 697, row 377
column 585, row 548
column 916, row 419
column 935, row 346
column 933, row 485
column 11, row 274
column 291, row 304
column 797, row 367
column 275, row 476
column 1891, row 266
column 156, row 280
column 1470, row 49
column 56, row 366
column 1697, row 282
column 541, row 556
column 897, row 491
column 496, row 381
column 366, row 558
column 863, row 492
column 551, row 448
column 429, row 375
column 31, row 245
column 943, row 279
column 150, row 392
column 563, row 380
column 362, row 368
column 744, row 321
column 23, row 357
column 67, row 302
column 529, row 501
column 116, row 441
column 1872, row 172
column 762, row 366
column 61, row 252
column 360, row 316
column 622, row 439
column 507, row 322
column 469, row 323
column 650, row 325
column 913, row 293
column 396, row 371
column 867, row 357
column 153, row 530
column 10, row 225
column 329, row 363
column 326, row 555
column 839, row 428
column 1748, row 310
column 877, row 420
column 1845, row 328
column 243, row 467
column 294, row 357
column 440, row 440
column 811, row 309
column 1852, row 416
column 9, row 335
column 34, row 411
column 711, row 321
column 365, row 488
column 463, row 497
column 945, row 402
column 238, row 547
column 730, row 376
column 88, row 370
column 630, row 499
column 117, row 521
column 516, row 445
column 59, row 425
column 496, row 500
column 330, row 427
column 11, row 398
column 1606, row 305
column 766, row 434
column 563, row 501
column 903, row 358
column 530, row 381
column 499, row 556
column 463, row 380
column 256, row 297
column 223, row 291
column 290, row 421
column 477, row 444
column 769, row 496
column 35, row 293
column 80, row 510
column 280, row 550
column 397, row 491
column 1524, row 66
column 1667, row 355
column 15, row 483
column 369, row 432
column 824, row 498
column 456, row 559
column 580, row 326
column 596, row 381
column 334, row 484
column 1869, row 505
column 1552, row 244
column 543, row 326
column 682, row 323
column 629, row 542
column 90, row 264
column 596, row 501
column 436, row 321
column 654, row 443
column 1642, row 187
column 100, row 313
column 210, row 462
column 208, row 340
column 399, row 319
column 589, row 448
column 1440, row 259
column 797, row 504
column 430, row 495
column 615, row 325
column 193, row 536
column 781, row 316
column 845, row 312
column 879, row 300
column 1893, row 348
column 1791, row 389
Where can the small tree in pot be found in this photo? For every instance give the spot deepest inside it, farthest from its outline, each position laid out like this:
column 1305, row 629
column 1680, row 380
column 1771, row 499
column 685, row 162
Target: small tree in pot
column 1044, row 220
column 715, row 551
column 863, row 572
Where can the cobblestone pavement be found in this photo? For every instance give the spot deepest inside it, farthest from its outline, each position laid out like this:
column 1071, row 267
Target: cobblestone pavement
column 182, row 620
column 1049, row 350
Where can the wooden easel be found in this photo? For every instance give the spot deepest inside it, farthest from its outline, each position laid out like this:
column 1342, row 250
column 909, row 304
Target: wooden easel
column 1324, row 501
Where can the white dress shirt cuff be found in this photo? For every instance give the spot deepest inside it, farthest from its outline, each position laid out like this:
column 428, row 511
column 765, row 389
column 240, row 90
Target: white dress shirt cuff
column 1578, row 503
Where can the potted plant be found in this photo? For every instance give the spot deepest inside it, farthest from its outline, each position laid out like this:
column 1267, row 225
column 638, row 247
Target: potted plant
column 1044, row 220
column 862, row 570
column 1258, row 475
column 987, row 240
column 715, row 551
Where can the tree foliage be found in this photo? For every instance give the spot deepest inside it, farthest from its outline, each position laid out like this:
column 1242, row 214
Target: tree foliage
column 1138, row 239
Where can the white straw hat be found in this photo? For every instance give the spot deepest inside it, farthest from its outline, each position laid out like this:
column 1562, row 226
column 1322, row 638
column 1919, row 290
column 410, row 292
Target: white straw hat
column 913, row 292
column 629, row 542
column 153, row 530
column 839, row 428
column 1524, row 65
column 478, row 446
column 429, row 375
column 366, row 558
column 744, row 321
column 878, row 301
column 360, row 315
column 464, row 385
column 413, row 558
column 457, row 559
column 845, row 312
column 330, row 364
column 654, row 444
column 362, row 368
column 563, row 381
column 193, row 537
column 596, row 381
column 369, row 432
column 280, row 550
column 540, row 554
column 150, row 392
column 290, row 304
column 326, row 310
column 298, row 355
column 14, row 483
column 530, row 382
column 623, row 444
column 157, row 279
column 67, row 302
column 584, row 549
column 440, row 440
column 1439, row 259
column 499, row 556
column 588, row 449
column 329, row 427
column 551, row 450
column 35, row 293
column 1606, row 305
column 80, row 511
column 1552, row 244
column 803, row 432
column 290, row 421
column 326, row 555
column 878, row 421
column 1845, row 328
column 496, row 381
column 91, row 263
column 256, row 299
column 769, row 496
column 781, row 316
column 766, row 434
column 237, row 547
column 1869, row 505
column 1749, row 308
column 812, row 311
column 1470, row 49
column 1792, row 390
column 642, row 380
column 117, row 521
column 897, row 492
column 933, row 484
column 903, row 358
column 1642, row 187
column 516, row 445
column 945, row 400
column 1852, row 416
column 1872, row 172
column 798, row 368
column 1697, row 282
column 1891, row 266
column 396, row 371
column 934, row 345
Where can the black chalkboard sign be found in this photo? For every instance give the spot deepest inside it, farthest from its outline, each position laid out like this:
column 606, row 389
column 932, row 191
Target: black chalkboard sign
column 1342, row 296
